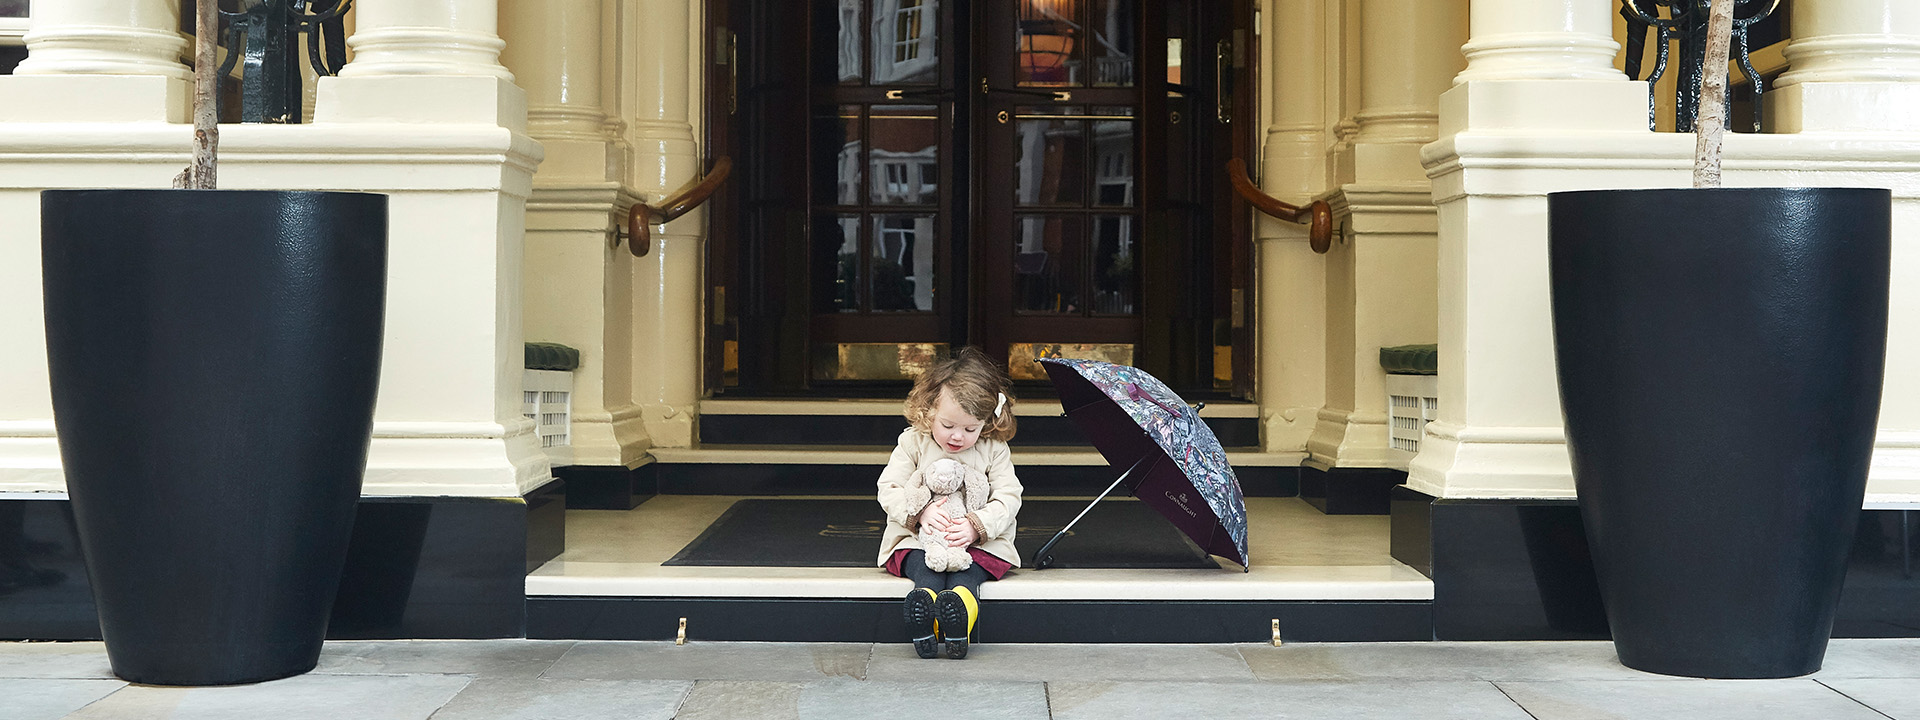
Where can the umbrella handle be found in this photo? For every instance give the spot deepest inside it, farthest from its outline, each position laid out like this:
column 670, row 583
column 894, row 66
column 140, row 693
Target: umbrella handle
column 1045, row 560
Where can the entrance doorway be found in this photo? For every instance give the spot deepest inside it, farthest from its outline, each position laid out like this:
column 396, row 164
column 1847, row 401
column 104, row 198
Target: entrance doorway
column 1035, row 177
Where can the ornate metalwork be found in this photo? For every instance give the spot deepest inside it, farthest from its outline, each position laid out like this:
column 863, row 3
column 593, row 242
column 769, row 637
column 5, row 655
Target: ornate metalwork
column 1686, row 21
column 267, row 33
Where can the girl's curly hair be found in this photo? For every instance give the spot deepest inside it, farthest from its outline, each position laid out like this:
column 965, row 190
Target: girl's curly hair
column 975, row 383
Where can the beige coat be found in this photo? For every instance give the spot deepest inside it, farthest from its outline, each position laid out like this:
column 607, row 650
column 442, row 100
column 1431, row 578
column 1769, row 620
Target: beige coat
column 903, row 497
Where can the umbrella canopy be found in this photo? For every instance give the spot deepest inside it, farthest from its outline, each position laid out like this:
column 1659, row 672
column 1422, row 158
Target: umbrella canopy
column 1178, row 466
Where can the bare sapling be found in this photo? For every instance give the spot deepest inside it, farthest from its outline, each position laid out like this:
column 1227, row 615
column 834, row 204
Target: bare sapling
column 206, row 88
column 1710, row 124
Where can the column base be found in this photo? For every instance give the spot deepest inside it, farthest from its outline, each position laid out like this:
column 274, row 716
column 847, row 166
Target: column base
column 1544, row 104
column 1844, row 107
column 460, row 99
column 463, row 459
column 1492, row 462
column 1344, row 439
column 95, row 98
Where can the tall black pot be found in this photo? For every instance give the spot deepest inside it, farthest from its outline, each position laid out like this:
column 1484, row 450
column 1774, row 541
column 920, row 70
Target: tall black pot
column 214, row 357
column 1720, row 359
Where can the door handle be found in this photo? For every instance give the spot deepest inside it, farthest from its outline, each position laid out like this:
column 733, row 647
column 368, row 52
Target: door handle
column 1055, row 95
column 934, row 94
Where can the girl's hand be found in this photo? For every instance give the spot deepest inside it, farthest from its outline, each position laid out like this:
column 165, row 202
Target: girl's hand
column 961, row 534
column 935, row 517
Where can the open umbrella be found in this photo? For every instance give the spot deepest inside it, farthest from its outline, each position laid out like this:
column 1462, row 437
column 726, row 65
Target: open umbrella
column 1172, row 461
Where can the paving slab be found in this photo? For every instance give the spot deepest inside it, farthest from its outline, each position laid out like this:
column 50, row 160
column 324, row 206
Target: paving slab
column 742, row 700
column 1694, row 700
column 780, row 662
column 1859, row 658
column 941, row 699
column 546, row 699
column 479, row 658
column 42, row 699
column 1280, row 701
column 75, row 660
column 1897, row 698
column 1440, row 661
column 1018, row 662
column 305, row 697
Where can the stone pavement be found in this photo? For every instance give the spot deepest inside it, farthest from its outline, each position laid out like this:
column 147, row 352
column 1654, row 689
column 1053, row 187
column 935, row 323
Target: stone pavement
column 529, row 679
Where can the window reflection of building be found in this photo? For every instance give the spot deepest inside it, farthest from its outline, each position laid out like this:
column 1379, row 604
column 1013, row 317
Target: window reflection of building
column 851, row 54
column 13, row 8
column 905, row 37
column 1050, row 36
column 903, row 263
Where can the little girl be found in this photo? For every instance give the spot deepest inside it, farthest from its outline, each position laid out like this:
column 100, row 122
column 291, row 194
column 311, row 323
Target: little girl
column 960, row 409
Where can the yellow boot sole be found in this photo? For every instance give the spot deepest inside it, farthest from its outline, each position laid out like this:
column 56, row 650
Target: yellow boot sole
column 956, row 609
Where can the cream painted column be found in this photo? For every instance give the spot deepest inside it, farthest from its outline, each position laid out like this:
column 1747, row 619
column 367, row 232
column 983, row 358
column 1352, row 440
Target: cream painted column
column 1380, row 274
column 423, row 61
column 668, row 282
column 100, row 61
column 1291, row 320
column 101, row 71
column 1853, row 65
column 449, row 420
column 577, row 287
column 1539, row 84
column 1854, row 68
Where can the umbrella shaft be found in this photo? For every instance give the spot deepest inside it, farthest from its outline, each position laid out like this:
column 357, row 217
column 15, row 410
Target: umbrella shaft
column 1040, row 558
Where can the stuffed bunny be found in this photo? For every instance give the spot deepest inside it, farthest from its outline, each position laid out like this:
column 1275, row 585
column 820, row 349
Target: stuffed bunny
column 966, row 491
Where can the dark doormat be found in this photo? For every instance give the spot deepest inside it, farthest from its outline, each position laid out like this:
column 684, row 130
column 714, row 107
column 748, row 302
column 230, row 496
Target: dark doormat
column 846, row 533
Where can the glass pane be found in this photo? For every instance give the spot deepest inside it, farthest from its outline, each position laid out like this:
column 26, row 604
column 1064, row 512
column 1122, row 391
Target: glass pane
column 876, row 361
column 1048, row 263
column 836, row 157
column 1112, row 23
column 1113, row 165
column 906, row 42
column 1046, row 36
column 906, row 154
column 13, row 8
column 1023, row 358
column 1049, row 160
column 1174, row 54
column 851, row 53
column 1116, row 278
column 903, row 248
column 836, row 241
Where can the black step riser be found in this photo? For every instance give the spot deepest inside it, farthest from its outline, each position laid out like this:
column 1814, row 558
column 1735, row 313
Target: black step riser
column 1035, row 431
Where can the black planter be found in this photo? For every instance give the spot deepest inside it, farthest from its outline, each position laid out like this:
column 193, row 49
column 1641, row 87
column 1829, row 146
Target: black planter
column 214, row 357
column 1720, row 358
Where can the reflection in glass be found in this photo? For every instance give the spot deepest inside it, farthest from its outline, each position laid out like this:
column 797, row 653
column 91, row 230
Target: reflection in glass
column 836, row 157
column 13, row 8
column 1049, row 161
column 906, row 154
column 906, row 42
column 1023, row 358
column 1116, row 278
column 1112, row 25
column 837, row 242
column 1113, row 164
column 902, row 262
column 1046, row 34
column 851, row 52
column 1048, row 264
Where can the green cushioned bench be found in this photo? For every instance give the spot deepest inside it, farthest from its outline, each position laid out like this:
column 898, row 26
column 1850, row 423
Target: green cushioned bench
column 1411, row 359
column 552, row 356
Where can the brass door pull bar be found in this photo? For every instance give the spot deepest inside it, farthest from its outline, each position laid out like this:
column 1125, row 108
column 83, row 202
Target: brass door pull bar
column 641, row 216
column 1317, row 215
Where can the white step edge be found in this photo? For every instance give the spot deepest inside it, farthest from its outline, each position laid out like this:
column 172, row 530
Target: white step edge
column 1284, row 583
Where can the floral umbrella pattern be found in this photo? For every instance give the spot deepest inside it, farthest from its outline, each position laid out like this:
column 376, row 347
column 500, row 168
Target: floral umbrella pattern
column 1178, row 430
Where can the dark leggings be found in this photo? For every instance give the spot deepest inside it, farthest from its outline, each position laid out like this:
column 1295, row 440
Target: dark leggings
column 914, row 565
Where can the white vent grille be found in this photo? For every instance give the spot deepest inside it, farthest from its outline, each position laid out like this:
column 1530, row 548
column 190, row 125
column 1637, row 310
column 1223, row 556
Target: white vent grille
column 547, row 399
column 1412, row 402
